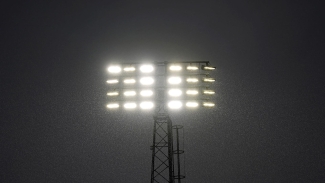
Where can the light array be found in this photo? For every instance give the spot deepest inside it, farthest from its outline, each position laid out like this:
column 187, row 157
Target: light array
column 184, row 85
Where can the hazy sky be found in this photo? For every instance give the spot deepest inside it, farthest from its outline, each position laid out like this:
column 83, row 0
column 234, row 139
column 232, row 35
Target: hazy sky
column 267, row 126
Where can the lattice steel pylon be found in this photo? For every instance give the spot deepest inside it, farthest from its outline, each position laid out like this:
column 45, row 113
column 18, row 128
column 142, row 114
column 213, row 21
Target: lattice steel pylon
column 162, row 148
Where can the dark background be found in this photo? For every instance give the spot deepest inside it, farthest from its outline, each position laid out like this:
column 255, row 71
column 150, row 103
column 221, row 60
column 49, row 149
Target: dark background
column 267, row 126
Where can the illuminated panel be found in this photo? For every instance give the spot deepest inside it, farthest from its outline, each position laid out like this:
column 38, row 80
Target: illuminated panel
column 112, row 93
column 146, row 93
column 130, row 93
column 192, row 68
column 192, row 80
column 112, row 81
column 208, row 104
column 208, row 92
column 114, row 69
column 129, row 81
column 129, row 69
column 192, row 104
column 146, row 81
column 130, row 105
column 209, row 80
column 175, row 68
column 174, row 80
column 146, row 68
column 146, row 105
column 175, row 92
column 113, row 105
column 175, row 104
column 192, row 92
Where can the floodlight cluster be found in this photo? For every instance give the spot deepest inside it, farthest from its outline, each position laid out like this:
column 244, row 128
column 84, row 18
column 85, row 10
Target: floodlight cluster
column 134, row 86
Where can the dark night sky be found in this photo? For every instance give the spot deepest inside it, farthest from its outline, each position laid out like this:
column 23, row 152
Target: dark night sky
column 267, row 126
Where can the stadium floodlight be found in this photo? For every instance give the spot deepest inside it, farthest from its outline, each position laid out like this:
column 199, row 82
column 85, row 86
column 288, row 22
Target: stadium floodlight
column 174, row 80
column 129, row 69
column 209, row 80
column 146, row 105
column 208, row 68
column 192, row 104
column 146, row 93
column 114, row 69
column 175, row 92
column 129, row 81
column 112, row 81
column 130, row 93
column 147, row 81
column 208, row 92
column 130, row 105
column 113, row 105
column 192, row 92
column 192, row 80
column 208, row 104
column 114, row 93
column 175, row 104
column 175, row 68
column 192, row 68
column 146, row 68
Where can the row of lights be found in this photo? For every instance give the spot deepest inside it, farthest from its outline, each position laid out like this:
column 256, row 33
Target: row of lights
column 171, row 80
column 171, row 92
column 149, row 105
column 149, row 68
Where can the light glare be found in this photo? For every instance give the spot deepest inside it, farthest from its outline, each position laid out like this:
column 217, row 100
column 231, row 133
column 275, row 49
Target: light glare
column 113, row 105
column 146, row 93
column 175, row 92
column 192, row 68
column 114, row 69
column 192, row 80
column 208, row 68
column 146, row 68
column 146, row 105
column 112, row 81
column 209, row 92
column 192, row 104
column 209, row 80
column 174, row 80
column 130, row 105
column 130, row 93
column 129, row 81
column 175, row 68
column 146, row 81
column 112, row 93
column 208, row 104
column 192, row 92
column 175, row 104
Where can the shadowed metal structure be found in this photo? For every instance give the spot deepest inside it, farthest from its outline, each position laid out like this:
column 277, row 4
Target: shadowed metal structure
column 161, row 87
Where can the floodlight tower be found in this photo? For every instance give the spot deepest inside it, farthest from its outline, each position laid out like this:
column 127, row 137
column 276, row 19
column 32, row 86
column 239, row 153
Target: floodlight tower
column 161, row 87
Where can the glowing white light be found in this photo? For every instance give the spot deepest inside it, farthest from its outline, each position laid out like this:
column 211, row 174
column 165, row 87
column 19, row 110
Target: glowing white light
column 146, row 93
column 129, row 81
column 192, row 104
column 209, row 92
column 175, row 104
column 174, row 80
column 129, row 69
column 175, row 92
column 146, row 68
column 130, row 93
column 192, row 92
column 208, row 68
column 175, row 68
column 112, row 93
column 130, row 105
column 146, row 105
column 146, row 80
column 192, row 80
column 113, row 105
column 112, row 81
column 192, row 68
column 208, row 104
column 209, row 80
column 114, row 69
